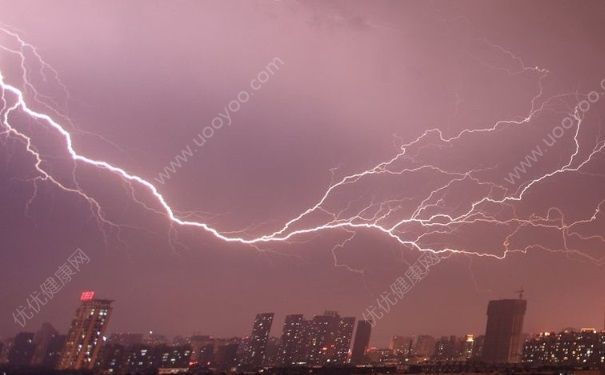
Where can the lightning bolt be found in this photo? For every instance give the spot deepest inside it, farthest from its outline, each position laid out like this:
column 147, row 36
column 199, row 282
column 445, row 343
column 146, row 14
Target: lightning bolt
column 418, row 221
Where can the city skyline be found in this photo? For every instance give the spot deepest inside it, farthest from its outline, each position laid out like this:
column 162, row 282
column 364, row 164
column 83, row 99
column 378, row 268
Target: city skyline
column 326, row 340
column 403, row 163
column 266, row 325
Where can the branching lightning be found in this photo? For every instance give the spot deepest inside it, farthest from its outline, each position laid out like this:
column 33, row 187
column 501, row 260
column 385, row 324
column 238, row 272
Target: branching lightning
column 416, row 222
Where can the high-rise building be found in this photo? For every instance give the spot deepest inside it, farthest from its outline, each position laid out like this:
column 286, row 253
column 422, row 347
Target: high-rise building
column 468, row 346
column 22, row 351
column 503, row 333
column 85, row 336
column 329, row 339
column 292, row 350
column 361, row 342
column 254, row 354
column 344, row 334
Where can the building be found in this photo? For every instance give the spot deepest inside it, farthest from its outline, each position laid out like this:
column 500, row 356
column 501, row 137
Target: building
column 361, row 342
column 468, row 347
column 202, row 350
column 142, row 359
column 381, row 357
column 478, row 347
column 567, row 348
column 401, row 345
column 503, row 333
column 225, row 356
column 292, row 350
column 49, row 346
column 126, row 339
column 85, row 336
column 329, row 339
column 424, row 346
column 22, row 351
column 447, row 349
column 254, row 353
column 344, row 334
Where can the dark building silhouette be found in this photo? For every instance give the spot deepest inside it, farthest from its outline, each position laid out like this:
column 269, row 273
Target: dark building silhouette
column 478, row 347
column 447, row 349
column 22, row 351
column 202, row 349
column 254, row 353
column 292, row 348
column 48, row 344
column 126, row 339
column 85, row 336
column 424, row 346
column 362, row 341
column 226, row 355
column 112, row 358
column 503, row 334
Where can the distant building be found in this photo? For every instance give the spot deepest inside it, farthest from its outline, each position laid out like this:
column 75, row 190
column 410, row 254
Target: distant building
column 85, row 336
column 142, row 359
column 254, row 353
column 424, row 346
column 225, row 356
column 361, row 342
column 151, row 338
column 503, row 334
column 329, row 339
column 202, row 349
column 49, row 345
column 447, row 349
column 381, row 357
column 344, row 334
column 292, row 350
column 468, row 347
column 112, row 358
column 176, row 356
column 478, row 347
column 22, row 351
column 567, row 348
column 401, row 345
column 126, row 339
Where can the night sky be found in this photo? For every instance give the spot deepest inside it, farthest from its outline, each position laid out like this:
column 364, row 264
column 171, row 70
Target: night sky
column 450, row 96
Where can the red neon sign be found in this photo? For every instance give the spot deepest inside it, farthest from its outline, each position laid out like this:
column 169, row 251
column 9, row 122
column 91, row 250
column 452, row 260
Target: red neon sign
column 87, row 295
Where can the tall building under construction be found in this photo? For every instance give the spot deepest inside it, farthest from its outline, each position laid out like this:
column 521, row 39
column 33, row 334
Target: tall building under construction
column 504, row 331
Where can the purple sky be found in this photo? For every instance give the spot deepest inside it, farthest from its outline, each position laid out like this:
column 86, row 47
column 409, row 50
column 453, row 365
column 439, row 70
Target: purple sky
column 358, row 80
